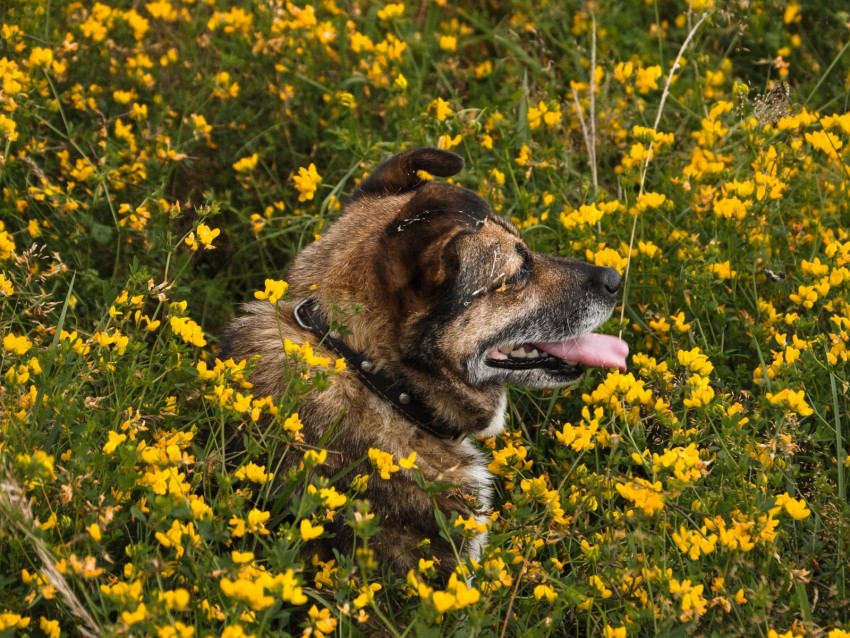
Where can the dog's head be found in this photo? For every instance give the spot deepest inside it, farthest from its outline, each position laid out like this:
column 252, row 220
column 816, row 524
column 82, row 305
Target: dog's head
column 447, row 286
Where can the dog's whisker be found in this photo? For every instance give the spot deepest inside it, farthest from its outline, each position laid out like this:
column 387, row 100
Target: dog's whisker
column 489, row 284
column 497, row 255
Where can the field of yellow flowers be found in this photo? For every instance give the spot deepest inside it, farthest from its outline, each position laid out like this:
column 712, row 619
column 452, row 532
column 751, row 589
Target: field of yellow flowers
column 161, row 161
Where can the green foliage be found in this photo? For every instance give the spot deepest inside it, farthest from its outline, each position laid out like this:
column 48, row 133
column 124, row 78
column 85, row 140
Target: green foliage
column 162, row 161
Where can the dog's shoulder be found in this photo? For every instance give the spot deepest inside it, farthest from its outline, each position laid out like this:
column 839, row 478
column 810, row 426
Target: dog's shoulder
column 259, row 331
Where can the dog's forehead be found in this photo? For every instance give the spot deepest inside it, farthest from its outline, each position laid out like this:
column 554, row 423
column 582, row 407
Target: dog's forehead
column 503, row 226
column 497, row 231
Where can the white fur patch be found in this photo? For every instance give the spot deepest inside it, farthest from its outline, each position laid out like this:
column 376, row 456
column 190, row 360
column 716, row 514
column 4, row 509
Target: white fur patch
column 497, row 425
column 480, row 477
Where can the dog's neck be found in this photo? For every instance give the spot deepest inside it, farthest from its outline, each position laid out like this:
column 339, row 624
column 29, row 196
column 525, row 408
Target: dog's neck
column 389, row 388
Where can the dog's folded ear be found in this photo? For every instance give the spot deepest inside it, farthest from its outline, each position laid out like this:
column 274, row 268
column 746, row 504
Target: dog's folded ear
column 399, row 173
column 418, row 255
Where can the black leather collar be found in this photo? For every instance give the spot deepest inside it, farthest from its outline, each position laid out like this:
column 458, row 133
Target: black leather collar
column 390, row 389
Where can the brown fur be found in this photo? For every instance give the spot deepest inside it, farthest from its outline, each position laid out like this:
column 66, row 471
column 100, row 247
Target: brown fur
column 427, row 280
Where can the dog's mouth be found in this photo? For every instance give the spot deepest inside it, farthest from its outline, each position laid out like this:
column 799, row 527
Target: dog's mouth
column 569, row 356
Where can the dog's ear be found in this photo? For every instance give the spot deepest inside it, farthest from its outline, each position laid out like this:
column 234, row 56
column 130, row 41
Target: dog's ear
column 418, row 256
column 398, row 174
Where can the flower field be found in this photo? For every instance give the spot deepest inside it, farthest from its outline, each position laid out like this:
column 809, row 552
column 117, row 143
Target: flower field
column 161, row 162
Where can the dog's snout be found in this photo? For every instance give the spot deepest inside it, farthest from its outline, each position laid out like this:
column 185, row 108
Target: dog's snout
column 609, row 279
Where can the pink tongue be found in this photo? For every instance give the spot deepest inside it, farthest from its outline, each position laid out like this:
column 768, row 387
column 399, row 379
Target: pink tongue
column 598, row 351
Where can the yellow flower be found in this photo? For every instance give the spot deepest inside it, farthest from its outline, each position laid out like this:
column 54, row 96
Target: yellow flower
column 49, row 627
column 310, row 531
column 701, row 6
column 241, row 558
column 825, row 142
column 606, row 257
column 730, row 208
column 524, row 157
column 246, row 164
column 623, row 71
column 722, row 270
column 331, row 498
column 188, row 330
column 383, row 462
column 40, row 56
column 694, row 543
column 645, row 495
column 796, row 401
column 137, row 23
column 206, row 235
column 400, row 82
column 447, row 142
column 274, row 291
column 139, row 112
column 123, row 97
column 293, row 423
column 257, row 520
column 448, row 42
column 306, row 182
column 233, row 21
column 162, row 10
column 586, row 215
column 599, row 585
column 9, row 129
column 443, row 601
column 649, row 200
column 6, row 287
column 695, row 361
column 223, row 89
column 542, row 114
column 408, row 462
column 646, row 79
column 391, row 10
column 175, row 600
column 700, row 393
column 693, row 603
column 254, row 473
column 313, row 458
column 251, row 592
column 131, row 618
column 614, row 632
column 321, row 622
column 463, row 594
column 545, row 591
column 796, row 508
column 17, row 345
column 367, row 595
column 442, row 109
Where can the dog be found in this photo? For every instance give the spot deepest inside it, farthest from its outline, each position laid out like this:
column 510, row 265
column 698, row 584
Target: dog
column 443, row 305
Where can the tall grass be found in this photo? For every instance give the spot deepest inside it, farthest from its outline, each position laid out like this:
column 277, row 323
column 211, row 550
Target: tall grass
column 161, row 162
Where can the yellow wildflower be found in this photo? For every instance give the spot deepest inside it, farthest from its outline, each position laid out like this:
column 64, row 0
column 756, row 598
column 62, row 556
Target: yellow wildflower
column 246, row 164
column 695, row 361
column 188, row 331
column 448, row 42
column 19, row 345
column 383, row 462
column 274, row 291
column 310, row 531
column 796, row 508
column 795, row 401
column 545, row 591
column 391, row 10
column 646, row 79
column 306, row 182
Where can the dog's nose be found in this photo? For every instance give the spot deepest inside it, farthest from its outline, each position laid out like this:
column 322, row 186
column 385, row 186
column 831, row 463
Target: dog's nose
column 609, row 279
